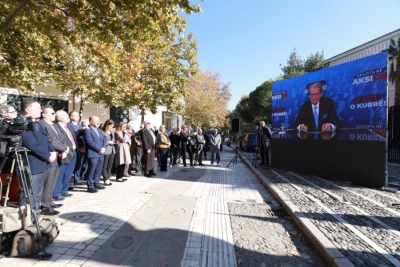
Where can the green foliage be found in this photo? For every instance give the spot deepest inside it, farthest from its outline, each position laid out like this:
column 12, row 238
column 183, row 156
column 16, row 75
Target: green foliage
column 394, row 75
column 295, row 66
column 119, row 52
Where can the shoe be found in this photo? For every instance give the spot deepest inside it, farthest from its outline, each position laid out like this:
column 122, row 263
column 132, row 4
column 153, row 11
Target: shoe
column 54, row 205
column 78, row 183
column 147, row 175
column 163, row 170
column 99, row 187
column 120, row 180
column 92, row 190
column 153, row 173
column 60, row 198
column 67, row 195
column 107, row 184
column 201, row 164
column 49, row 211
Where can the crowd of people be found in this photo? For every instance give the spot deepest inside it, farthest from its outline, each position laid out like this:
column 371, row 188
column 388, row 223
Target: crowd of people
column 65, row 150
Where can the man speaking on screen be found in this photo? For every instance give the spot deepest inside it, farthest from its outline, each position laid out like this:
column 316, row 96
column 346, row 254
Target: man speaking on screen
column 317, row 114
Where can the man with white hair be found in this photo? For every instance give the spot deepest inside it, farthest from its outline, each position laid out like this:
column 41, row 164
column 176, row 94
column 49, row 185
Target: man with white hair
column 149, row 140
column 66, row 170
column 96, row 143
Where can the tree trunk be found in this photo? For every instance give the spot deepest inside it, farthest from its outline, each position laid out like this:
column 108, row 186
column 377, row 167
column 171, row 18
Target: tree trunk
column 81, row 108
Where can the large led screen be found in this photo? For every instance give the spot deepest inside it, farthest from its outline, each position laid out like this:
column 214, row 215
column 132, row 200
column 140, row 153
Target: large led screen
column 332, row 122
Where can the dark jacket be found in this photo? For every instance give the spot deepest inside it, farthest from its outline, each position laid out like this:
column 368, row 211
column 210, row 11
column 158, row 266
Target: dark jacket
column 175, row 140
column 40, row 147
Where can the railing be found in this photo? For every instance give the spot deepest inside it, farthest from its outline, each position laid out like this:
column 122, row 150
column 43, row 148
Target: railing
column 394, row 133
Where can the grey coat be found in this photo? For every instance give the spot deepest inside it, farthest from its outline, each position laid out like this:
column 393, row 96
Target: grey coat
column 110, row 149
column 200, row 142
column 215, row 143
column 123, row 154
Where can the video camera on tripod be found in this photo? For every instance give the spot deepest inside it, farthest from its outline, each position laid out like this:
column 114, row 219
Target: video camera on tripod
column 15, row 156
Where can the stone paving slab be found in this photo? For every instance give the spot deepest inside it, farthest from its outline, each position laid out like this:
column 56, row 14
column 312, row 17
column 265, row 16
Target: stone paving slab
column 121, row 224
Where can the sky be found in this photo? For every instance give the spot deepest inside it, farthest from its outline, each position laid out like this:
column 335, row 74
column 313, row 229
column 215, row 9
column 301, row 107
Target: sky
column 247, row 40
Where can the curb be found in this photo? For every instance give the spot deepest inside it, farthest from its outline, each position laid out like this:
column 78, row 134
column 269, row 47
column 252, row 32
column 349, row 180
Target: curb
column 328, row 251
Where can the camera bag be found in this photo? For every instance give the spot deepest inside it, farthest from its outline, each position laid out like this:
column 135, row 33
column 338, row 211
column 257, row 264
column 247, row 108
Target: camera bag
column 26, row 241
column 13, row 217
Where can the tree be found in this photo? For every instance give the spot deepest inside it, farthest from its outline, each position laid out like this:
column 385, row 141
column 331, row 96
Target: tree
column 31, row 29
column 314, row 62
column 206, row 100
column 295, row 66
column 394, row 55
column 256, row 105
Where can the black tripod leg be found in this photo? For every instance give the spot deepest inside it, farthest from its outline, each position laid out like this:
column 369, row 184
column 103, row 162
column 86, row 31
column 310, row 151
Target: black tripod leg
column 25, row 179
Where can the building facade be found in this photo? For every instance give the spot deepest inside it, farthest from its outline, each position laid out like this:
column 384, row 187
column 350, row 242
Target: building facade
column 52, row 95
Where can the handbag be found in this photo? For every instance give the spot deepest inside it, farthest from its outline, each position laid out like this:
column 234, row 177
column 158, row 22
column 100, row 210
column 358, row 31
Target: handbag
column 13, row 216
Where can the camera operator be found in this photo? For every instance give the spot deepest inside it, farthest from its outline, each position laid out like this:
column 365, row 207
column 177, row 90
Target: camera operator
column 8, row 112
column 263, row 139
column 41, row 152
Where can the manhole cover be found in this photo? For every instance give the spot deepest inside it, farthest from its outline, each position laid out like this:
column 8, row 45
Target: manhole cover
column 277, row 213
column 178, row 211
column 122, row 242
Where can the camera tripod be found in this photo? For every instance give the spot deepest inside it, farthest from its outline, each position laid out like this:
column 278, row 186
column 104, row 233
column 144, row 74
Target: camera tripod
column 235, row 158
column 20, row 163
column 257, row 153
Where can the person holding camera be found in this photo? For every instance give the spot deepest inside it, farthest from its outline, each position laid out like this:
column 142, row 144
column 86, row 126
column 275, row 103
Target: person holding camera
column 263, row 141
column 8, row 112
column 41, row 152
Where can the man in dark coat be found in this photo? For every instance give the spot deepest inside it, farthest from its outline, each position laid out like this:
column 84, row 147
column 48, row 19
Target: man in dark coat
column 263, row 142
column 74, row 123
column 148, row 141
column 95, row 147
column 51, row 174
column 41, row 151
column 68, row 164
column 318, row 113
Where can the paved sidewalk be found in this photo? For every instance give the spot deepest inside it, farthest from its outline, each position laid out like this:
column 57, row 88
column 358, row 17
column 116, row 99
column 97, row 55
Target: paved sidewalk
column 350, row 225
column 203, row 216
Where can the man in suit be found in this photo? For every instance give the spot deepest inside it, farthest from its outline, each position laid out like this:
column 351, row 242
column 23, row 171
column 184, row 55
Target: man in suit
column 148, row 142
column 68, row 163
column 318, row 113
column 95, row 147
column 263, row 138
column 41, row 151
column 74, row 124
column 51, row 174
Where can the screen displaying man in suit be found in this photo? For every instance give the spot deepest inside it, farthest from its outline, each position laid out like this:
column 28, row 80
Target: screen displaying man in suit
column 318, row 113
column 95, row 147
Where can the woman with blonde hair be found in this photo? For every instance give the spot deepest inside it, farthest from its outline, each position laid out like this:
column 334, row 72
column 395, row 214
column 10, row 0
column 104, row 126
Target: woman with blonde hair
column 123, row 154
column 163, row 147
